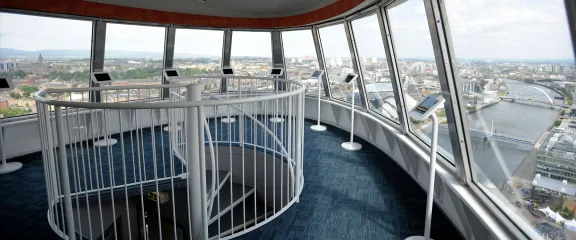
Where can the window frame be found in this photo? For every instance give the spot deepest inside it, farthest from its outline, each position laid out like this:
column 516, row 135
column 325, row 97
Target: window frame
column 344, row 24
column 92, row 20
column 311, row 30
column 451, row 159
column 269, row 31
column 368, row 106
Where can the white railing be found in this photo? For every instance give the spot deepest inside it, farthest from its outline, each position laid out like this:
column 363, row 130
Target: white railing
column 177, row 170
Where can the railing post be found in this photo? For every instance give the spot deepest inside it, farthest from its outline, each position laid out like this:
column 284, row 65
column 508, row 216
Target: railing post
column 299, row 141
column 64, row 175
column 193, row 94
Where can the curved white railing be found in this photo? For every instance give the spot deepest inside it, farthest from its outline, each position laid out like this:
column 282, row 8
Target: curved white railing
column 158, row 183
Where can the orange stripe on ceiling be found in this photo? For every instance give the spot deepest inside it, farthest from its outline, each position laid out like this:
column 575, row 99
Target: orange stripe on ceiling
column 93, row 9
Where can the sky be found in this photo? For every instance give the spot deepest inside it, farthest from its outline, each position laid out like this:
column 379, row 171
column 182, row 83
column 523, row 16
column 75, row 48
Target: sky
column 480, row 29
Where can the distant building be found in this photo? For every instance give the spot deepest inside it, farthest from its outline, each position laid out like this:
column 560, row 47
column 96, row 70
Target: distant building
column 4, row 103
column 556, row 157
column 41, row 66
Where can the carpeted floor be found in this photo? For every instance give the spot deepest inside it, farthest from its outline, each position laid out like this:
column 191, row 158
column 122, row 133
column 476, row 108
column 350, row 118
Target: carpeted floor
column 347, row 195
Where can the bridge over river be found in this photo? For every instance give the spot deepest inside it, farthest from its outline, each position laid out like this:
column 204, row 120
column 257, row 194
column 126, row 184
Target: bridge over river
column 533, row 94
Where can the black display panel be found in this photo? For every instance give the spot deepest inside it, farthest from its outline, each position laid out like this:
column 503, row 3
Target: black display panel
column 276, row 71
column 349, row 78
column 171, row 73
column 102, row 77
column 426, row 104
column 227, row 71
column 4, row 83
column 316, row 74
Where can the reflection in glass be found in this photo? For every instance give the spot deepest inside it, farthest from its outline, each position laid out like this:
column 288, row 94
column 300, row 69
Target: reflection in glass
column 516, row 79
column 374, row 67
column 134, row 56
column 300, row 58
column 37, row 55
column 417, row 68
column 199, row 52
column 338, row 62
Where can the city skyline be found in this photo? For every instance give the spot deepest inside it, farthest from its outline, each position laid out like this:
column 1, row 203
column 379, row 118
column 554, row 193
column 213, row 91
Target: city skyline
column 34, row 55
column 480, row 29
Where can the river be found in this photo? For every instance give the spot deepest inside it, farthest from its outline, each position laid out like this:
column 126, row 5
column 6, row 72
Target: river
column 498, row 159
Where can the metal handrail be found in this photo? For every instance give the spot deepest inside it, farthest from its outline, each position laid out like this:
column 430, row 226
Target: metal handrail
column 39, row 96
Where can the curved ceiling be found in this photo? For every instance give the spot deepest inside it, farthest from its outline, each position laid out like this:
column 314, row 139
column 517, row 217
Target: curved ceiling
column 227, row 8
column 282, row 19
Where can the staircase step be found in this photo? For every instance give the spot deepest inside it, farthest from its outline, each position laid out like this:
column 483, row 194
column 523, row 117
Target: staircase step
column 227, row 203
column 242, row 212
column 223, row 177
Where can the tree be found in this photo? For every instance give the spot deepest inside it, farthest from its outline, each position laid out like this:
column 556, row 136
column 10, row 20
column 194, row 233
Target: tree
column 27, row 90
column 15, row 95
column 10, row 112
column 19, row 74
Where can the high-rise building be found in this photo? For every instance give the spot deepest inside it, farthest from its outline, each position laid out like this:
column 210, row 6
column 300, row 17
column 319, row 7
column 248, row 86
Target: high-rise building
column 41, row 66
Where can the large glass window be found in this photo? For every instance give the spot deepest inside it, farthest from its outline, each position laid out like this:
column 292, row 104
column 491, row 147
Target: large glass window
column 300, row 59
column 37, row 55
column 134, row 56
column 251, row 53
column 416, row 65
column 199, row 52
column 516, row 76
column 374, row 67
column 338, row 62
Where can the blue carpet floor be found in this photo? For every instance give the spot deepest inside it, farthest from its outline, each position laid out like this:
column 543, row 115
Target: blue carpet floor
column 347, row 195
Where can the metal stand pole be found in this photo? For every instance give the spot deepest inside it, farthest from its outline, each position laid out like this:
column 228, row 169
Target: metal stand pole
column 430, row 197
column 6, row 167
column 352, row 146
column 193, row 94
column 318, row 127
column 276, row 118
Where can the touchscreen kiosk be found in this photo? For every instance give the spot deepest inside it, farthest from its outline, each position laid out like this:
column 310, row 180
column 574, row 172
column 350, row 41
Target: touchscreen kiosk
column 101, row 77
column 276, row 72
column 351, row 145
column 318, row 75
column 6, row 167
column 426, row 107
column 421, row 112
column 227, row 71
column 171, row 73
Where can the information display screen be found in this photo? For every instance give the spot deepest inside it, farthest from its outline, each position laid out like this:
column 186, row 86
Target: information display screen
column 4, row 83
column 227, row 71
column 317, row 74
column 349, row 78
column 102, row 77
column 426, row 104
column 276, row 71
column 171, row 73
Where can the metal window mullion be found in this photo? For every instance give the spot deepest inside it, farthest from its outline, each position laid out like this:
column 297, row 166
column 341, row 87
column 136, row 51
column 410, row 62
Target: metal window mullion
column 356, row 64
column 393, row 68
column 226, row 51
column 571, row 15
column 321, row 62
column 446, row 66
column 97, row 55
column 447, row 74
column 278, row 56
column 168, row 62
